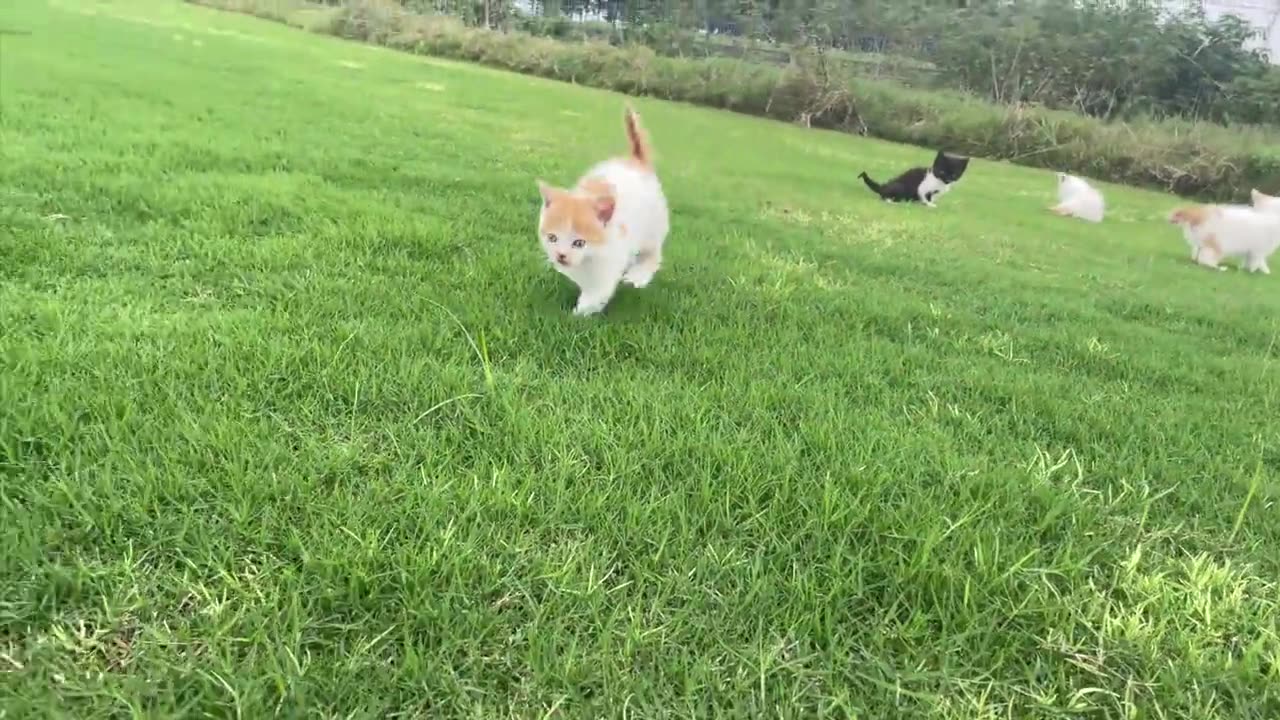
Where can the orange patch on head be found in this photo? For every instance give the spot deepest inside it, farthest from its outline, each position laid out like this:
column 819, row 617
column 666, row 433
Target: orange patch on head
column 602, row 194
column 1191, row 215
column 595, row 187
column 579, row 213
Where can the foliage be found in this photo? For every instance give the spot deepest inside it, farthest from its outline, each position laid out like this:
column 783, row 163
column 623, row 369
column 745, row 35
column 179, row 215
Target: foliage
column 1189, row 158
column 1099, row 57
column 1105, row 59
column 1254, row 97
column 560, row 27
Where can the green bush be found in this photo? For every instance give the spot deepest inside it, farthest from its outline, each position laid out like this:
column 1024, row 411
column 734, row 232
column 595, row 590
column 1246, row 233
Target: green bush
column 1105, row 59
column 1193, row 159
column 562, row 28
column 1252, row 97
column 373, row 21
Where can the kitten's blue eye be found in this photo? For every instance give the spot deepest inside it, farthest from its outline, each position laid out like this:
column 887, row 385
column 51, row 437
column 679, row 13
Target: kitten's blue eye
column 579, row 243
column 552, row 238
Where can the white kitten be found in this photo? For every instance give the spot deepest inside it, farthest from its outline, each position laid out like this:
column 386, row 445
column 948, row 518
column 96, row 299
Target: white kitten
column 1216, row 232
column 1077, row 198
column 1265, row 202
column 610, row 227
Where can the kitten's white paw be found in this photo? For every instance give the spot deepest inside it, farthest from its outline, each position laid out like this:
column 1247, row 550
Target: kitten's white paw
column 584, row 309
column 638, row 278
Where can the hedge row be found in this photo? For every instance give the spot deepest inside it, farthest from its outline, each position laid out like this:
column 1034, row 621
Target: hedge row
column 1191, row 159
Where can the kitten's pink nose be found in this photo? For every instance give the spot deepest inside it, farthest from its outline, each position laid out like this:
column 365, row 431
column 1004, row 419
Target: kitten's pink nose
column 562, row 258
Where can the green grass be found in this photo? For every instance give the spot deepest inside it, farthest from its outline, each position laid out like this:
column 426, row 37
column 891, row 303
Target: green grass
column 295, row 421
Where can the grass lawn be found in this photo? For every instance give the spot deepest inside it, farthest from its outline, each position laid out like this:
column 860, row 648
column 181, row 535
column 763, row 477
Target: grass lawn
column 294, row 419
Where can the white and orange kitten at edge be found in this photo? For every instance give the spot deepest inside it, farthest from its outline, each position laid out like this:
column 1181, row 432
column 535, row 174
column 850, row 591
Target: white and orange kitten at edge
column 1217, row 232
column 610, row 227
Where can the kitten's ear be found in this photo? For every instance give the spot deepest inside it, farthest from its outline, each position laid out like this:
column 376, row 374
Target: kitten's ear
column 1187, row 215
column 605, row 206
column 548, row 193
column 603, row 198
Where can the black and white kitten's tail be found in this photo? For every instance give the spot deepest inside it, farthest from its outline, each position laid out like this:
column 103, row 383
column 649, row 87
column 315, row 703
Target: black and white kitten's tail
column 876, row 187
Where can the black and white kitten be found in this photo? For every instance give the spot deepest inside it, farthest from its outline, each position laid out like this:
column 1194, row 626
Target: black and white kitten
column 921, row 184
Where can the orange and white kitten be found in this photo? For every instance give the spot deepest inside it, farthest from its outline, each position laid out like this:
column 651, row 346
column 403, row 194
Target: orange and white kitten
column 1265, row 202
column 1216, row 232
column 610, row 227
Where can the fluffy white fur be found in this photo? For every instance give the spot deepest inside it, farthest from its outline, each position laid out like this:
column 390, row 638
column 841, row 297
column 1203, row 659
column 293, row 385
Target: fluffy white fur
column 1218, row 232
column 632, row 250
column 610, row 228
column 932, row 187
column 1078, row 199
column 1265, row 202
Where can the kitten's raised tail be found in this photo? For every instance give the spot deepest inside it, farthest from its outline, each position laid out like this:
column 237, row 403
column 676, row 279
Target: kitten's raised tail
column 641, row 152
column 876, row 187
